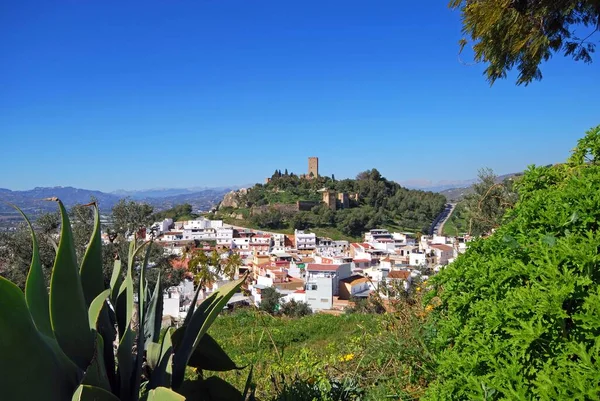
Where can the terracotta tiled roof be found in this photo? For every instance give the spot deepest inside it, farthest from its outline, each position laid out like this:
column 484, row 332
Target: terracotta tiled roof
column 399, row 274
column 442, row 247
column 315, row 267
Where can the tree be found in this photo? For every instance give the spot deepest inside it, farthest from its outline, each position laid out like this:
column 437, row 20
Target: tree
column 269, row 300
column 129, row 217
column 199, row 266
column 524, row 33
column 296, row 309
column 232, row 265
column 490, row 200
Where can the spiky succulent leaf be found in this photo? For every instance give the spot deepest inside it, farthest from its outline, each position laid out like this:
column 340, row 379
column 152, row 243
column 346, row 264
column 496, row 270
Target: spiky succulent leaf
column 153, row 316
column 32, row 370
column 68, row 311
column 92, row 278
column 208, row 355
column 96, row 375
column 141, row 338
column 96, row 308
column 202, row 319
column 115, row 281
column 36, row 291
column 92, row 393
column 161, row 373
column 164, row 394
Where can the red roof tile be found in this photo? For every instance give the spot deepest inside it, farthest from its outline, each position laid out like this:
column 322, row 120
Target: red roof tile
column 315, row 267
column 399, row 274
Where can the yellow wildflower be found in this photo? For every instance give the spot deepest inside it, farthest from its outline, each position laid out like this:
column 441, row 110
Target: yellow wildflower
column 418, row 289
column 347, row 357
column 429, row 308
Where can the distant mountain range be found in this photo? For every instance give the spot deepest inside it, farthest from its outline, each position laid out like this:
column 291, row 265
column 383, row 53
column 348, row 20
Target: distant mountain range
column 32, row 203
column 170, row 192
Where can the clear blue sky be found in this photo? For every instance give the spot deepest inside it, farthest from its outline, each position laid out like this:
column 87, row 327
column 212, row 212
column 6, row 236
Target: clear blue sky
column 130, row 94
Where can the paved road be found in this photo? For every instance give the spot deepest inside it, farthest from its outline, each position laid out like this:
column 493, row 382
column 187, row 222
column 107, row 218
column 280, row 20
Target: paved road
column 442, row 218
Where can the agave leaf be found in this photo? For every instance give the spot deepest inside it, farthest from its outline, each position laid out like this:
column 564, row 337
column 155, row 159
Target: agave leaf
column 213, row 389
column 92, row 278
column 92, row 282
column 141, row 338
column 202, row 319
column 92, row 393
column 192, row 308
column 153, row 316
column 36, row 292
column 249, row 387
column 220, row 390
column 20, row 344
column 161, row 374
column 125, row 363
column 68, row 312
column 96, row 307
column 164, row 394
column 95, row 375
column 115, row 281
column 124, row 311
column 153, row 354
column 208, row 354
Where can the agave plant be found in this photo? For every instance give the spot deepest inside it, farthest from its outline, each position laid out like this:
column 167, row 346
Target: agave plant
column 80, row 341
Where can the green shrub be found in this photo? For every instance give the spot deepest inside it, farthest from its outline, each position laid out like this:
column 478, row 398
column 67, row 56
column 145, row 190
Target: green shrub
column 519, row 316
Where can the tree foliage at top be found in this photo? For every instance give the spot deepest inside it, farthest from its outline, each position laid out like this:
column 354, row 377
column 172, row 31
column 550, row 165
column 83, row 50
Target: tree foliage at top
column 518, row 314
column 524, row 33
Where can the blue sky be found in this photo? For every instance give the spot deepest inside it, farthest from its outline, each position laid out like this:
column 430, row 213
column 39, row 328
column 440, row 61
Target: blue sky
column 109, row 94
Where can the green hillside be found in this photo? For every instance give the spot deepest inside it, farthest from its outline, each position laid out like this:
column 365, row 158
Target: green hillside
column 381, row 203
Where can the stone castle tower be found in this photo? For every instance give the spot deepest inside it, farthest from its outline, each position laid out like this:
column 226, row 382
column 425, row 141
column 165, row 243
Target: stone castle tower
column 313, row 167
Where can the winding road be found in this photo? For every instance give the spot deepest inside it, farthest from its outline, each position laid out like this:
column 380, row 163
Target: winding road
column 438, row 227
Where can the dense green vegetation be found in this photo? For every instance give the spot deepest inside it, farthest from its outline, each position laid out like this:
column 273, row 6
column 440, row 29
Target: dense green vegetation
column 519, row 312
column 381, row 203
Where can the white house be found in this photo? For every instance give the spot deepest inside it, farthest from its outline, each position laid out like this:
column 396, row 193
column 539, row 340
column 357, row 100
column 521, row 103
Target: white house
column 224, row 236
column 305, row 241
column 443, row 253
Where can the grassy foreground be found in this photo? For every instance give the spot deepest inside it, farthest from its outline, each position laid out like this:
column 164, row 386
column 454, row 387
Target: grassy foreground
column 369, row 355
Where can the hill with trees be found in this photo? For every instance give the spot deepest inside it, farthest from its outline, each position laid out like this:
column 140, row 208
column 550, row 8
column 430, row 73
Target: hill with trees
column 374, row 202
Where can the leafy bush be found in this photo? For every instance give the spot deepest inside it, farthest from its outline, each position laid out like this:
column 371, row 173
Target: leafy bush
column 295, row 309
column 519, row 313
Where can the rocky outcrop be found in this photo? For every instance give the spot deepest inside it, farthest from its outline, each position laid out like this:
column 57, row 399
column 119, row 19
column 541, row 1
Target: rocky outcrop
column 233, row 199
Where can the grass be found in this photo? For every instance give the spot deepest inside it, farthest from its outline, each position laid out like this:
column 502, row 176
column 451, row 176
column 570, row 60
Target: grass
column 381, row 354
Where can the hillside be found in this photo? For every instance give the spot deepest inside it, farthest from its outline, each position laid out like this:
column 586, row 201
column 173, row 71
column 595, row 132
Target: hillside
column 354, row 205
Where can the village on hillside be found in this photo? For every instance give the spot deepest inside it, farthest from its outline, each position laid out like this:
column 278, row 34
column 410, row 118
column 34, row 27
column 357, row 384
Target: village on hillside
column 328, row 275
